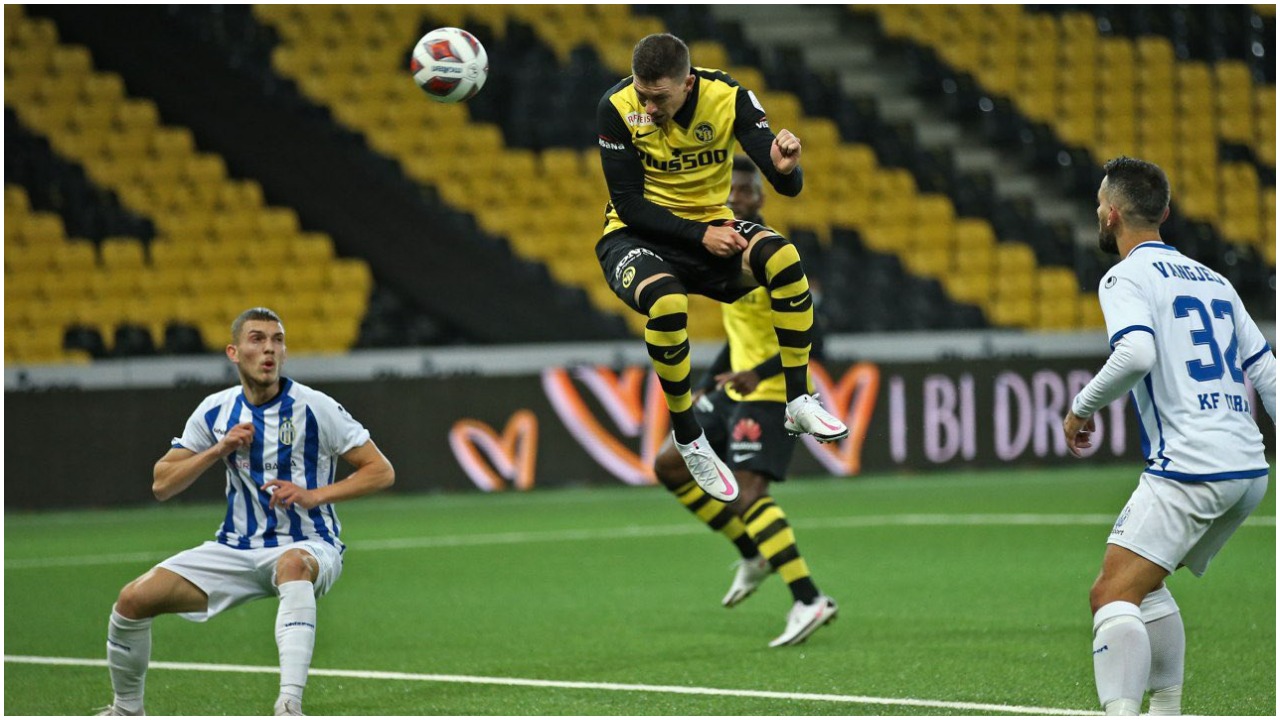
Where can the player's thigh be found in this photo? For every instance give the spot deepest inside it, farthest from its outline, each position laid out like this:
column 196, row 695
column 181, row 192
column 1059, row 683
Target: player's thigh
column 1126, row 576
column 1165, row 519
column 326, row 558
column 629, row 266
column 227, row 576
column 1246, row 494
column 157, row 592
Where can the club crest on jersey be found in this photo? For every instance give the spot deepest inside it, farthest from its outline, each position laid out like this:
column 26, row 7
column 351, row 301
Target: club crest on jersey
column 704, row 132
column 639, row 119
column 287, row 432
column 628, row 276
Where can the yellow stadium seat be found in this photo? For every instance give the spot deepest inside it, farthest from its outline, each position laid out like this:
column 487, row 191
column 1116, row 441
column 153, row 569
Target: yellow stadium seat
column 75, row 256
column 122, row 253
column 350, row 275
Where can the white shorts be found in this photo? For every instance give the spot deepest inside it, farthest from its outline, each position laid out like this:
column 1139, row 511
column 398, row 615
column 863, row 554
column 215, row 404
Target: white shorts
column 1174, row 523
column 231, row 577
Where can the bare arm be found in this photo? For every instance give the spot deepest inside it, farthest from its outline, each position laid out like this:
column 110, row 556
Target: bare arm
column 180, row 467
column 373, row 472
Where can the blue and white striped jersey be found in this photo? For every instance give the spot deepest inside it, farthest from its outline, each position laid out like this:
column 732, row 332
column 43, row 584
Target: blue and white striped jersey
column 1193, row 411
column 298, row 437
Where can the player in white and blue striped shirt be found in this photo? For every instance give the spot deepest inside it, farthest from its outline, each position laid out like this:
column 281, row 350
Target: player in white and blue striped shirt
column 1183, row 344
column 279, row 442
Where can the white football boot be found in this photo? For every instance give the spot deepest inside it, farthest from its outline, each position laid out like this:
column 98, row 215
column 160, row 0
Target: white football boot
column 751, row 573
column 708, row 470
column 806, row 416
column 113, row 710
column 804, row 619
column 288, row 706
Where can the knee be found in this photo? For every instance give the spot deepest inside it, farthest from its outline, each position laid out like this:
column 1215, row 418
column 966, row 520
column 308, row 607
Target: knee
column 751, row 487
column 296, row 565
column 662, row 297
column 763, row 253
column 133, row 603
column 670, row 470
column 1100, row 594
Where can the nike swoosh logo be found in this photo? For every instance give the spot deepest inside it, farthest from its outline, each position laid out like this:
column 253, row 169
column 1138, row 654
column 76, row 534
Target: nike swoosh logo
column 728, row 486
column 674, row 355
column 640, row 135
column 740, row 458
column 798, row 303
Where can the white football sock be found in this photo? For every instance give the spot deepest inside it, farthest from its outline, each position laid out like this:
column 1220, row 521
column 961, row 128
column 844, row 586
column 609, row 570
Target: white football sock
column 1168, row 650
column 128, row 654
column 1121, row 657
column 295, row 635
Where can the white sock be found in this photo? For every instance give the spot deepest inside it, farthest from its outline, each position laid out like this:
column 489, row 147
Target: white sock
column 295, row 635
column 1121, row 657
column 128, row 654
column 1168, row 650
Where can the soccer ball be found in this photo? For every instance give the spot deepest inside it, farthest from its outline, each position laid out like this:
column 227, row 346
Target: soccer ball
column 449, row 64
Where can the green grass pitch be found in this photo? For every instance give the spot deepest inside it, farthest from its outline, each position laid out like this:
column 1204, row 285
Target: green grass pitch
column 953, row 587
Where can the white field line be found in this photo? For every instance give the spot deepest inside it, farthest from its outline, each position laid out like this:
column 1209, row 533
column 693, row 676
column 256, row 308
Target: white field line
column 572, row 685
column 627, row 532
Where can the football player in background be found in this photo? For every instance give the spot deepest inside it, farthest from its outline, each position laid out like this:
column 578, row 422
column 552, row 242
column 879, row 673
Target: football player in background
column 739, row 406
column 280, row 442
column 1183, row 343
column 666, row 138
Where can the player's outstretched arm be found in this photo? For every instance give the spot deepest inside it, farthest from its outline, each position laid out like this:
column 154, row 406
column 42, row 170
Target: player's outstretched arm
column 373, row 473
column 180, row 467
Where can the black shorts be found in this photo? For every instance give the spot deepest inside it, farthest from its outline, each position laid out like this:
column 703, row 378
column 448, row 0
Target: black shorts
column 747, row 435
column 627, row 258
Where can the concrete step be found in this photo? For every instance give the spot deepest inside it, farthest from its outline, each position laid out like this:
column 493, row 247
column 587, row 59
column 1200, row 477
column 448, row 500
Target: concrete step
column 840, row 55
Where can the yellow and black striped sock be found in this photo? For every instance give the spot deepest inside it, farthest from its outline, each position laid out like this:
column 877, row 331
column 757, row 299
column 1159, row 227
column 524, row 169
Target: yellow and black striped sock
column 768, row 527
column 666, row 337
column 717, row 516
column 775, row 263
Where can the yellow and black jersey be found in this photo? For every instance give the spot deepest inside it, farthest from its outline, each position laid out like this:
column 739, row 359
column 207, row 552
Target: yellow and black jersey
column 753, row 345
column 670, row 181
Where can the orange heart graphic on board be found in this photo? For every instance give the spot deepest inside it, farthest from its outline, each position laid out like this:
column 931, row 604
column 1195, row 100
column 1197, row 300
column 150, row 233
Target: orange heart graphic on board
column 638, row 409
column 511, row 457
column 853, row 400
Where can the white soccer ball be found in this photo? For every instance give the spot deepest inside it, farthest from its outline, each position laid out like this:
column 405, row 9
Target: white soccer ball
column 449, row 64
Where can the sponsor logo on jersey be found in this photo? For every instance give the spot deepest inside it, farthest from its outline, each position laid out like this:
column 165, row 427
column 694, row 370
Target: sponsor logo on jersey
column 632, row 255
column 1111, row 281
column 628, row 276
column 639, row 119
column 611, row 144
column 684, row 160
column 747, row 429
column 1124, row 515
column 704, row 132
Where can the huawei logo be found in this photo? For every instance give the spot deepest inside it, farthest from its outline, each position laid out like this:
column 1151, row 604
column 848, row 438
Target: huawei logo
column 747, row 430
